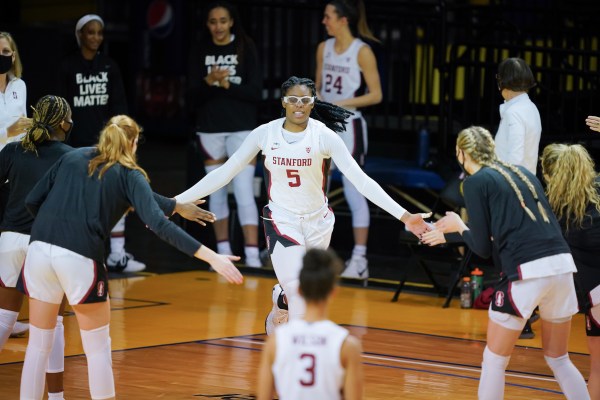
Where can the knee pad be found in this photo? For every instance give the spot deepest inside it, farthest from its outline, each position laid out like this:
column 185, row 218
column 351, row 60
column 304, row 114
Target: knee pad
column 494, row 360
column 358, row 205
column 56, row 361
column 507, row 321
column 244, row 196
column 559, row 320
column 7, row 322
column 96, row 345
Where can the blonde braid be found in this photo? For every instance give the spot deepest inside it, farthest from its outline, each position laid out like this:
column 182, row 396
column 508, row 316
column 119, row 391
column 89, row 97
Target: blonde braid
column 48, row 114
column 527, row 182
column 479, row 144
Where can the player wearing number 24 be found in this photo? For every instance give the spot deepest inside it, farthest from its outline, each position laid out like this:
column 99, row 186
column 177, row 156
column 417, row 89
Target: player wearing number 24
column 297, row 150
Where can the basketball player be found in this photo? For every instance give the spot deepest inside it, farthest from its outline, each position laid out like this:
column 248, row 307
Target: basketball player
column 23, row 164
column 347, row 76
column 297, row 151
column 75, row 205
column 509, row 213
column 574, row 194
column 313, row 358
column 225, row 81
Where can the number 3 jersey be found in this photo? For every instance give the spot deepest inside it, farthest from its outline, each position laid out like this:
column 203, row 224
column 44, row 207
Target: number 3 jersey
column 341, row 77
column 308, row 360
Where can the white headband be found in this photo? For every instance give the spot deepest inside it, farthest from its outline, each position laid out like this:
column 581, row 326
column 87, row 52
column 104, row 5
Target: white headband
column 84, row 20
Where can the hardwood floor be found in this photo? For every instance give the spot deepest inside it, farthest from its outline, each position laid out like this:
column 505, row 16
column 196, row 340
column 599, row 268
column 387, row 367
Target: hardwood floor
column 190, row 335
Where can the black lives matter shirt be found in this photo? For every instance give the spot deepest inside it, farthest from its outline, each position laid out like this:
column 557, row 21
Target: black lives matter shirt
column 225, row 110
column 94, row 90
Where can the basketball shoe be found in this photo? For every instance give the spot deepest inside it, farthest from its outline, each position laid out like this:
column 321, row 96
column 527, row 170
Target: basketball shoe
column 124, row 262
column 279, row 313
column 357, row 268
column 20, row 329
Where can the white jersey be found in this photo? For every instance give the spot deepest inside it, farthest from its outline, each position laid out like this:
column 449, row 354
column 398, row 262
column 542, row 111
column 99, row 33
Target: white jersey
column 308, row 360
column 341, row 77
column 295, row 172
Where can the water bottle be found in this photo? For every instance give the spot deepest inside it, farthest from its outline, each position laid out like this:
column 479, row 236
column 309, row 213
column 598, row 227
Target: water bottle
column 476, row 281
column 466, row 293
column 423, row 155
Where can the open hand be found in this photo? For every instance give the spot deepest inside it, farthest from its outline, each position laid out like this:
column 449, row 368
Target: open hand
column 451, row 223
column 192, row 212
column 593, row 122
column 19, row 126
column 223, row 265
column 433, row 238
column 416, row 224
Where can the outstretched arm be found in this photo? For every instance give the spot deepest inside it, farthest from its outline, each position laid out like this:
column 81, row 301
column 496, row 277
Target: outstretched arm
column 334, row 146
column 224, row 174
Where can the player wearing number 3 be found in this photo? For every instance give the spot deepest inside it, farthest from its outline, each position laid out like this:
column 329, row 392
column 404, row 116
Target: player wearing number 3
column 347, row 76
column 297, row 151
column 313, row 358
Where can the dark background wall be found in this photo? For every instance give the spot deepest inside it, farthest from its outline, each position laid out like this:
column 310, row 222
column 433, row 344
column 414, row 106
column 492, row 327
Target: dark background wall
column 438, row 59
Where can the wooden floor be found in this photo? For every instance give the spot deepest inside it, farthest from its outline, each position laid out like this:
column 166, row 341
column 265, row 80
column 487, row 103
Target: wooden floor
column 190, row 335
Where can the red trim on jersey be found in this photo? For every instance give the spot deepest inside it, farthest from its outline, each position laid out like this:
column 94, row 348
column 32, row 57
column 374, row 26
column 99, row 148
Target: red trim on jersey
column 270, row 213
column 519, row 272
column 512, row 303
column 267, row 177
column 2, row 283
column 93, row 285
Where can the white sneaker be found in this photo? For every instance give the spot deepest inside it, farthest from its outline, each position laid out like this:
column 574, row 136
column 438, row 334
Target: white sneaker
column 279, row 313
column 20, row 329
column 357, row 268
column 253, row 262
column 124, row 262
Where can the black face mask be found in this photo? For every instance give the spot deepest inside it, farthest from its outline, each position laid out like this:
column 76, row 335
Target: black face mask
column 462, row 165
column 5, row 64
column 68, row 131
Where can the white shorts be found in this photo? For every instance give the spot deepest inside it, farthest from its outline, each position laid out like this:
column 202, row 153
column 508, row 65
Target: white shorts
column 289, row 235
column 51, row 271
column 13, row 248
column 218, row 146
column 555, row 295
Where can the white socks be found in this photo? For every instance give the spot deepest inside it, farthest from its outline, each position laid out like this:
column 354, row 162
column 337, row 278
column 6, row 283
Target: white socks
column 7, row 322
column 33, row 378
column 56, row 362
column 569, row 378
column 359, row 250
column 491, row 383
column 96, row 344
column 224, row 247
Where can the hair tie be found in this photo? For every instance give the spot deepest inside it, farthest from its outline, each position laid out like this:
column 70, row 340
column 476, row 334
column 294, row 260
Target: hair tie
column 84, row 20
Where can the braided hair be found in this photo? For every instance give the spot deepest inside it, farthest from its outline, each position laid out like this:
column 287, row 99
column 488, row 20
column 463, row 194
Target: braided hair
column 332, row 116
column 478, row 143
column 48, row 114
